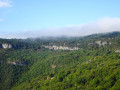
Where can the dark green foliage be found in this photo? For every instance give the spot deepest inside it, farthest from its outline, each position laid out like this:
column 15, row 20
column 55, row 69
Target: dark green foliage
column 30, row 66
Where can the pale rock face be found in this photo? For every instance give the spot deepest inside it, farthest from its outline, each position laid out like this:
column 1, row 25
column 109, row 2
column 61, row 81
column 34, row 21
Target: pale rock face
column 98, row 42
column 117, row 51
column 53, row 66
column 17, row 62
column 6, row 46
column 104, row 43
column 54, row 47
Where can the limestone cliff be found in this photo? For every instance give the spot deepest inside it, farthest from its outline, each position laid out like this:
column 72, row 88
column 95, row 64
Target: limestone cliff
column 6, row 46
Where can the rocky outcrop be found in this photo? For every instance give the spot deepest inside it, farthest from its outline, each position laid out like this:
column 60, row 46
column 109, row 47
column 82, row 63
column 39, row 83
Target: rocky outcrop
column 99, row 43
column 18, row 63
column 60, row 47
column 117, row 51
column 53, row 66
column 102, row 43
column 6, row 46
column 88, row 61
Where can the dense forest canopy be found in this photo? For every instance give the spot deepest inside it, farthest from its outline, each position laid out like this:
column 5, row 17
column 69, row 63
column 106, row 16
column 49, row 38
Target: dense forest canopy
column 89, row 62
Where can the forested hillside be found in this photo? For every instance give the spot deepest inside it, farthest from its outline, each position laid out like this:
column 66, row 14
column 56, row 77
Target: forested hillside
column 77, row 63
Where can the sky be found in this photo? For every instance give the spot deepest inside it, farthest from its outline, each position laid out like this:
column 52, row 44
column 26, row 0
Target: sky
column 36, row 18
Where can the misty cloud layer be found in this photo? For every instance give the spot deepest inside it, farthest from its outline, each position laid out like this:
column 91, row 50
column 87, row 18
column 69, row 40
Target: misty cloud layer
column 100, row 26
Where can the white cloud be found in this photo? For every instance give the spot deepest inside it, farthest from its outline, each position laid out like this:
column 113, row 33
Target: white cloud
column 5, row 3
column 100, row 26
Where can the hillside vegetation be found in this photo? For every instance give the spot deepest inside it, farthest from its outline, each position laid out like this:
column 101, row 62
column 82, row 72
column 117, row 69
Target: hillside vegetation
column 79, row 63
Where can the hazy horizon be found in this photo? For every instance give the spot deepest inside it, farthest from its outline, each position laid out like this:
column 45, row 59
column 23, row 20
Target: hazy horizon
column 35, row 18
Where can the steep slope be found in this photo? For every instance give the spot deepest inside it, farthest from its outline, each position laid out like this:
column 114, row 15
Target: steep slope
column 29, row 65
column 100, row 72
